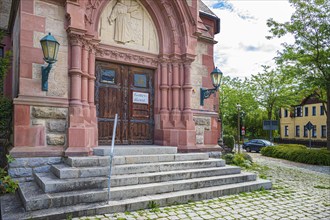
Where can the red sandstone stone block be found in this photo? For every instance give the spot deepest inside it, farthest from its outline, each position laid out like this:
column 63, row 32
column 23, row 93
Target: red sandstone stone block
column 27, row 6
column 29, row 136
column 27, row 38
column 31, row 55
column 208, row 62
column 26, row 70
column 207, row 82
column 21, row 115
column 211, row 137
column 33, row 22
column 77, row 137
column 31, row 87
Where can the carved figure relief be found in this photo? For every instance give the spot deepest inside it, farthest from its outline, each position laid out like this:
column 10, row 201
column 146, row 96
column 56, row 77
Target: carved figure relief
column 126, row 23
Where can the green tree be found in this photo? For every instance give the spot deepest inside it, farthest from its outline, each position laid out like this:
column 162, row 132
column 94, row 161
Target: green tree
column 5, row 106
column 272, row 89
column 308, row 57
column 236, row 91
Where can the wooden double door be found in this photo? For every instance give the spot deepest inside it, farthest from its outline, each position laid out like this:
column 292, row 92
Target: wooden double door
column 127, row 91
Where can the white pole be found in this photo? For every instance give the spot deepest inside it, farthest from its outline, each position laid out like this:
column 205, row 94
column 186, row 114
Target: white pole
column 111, row 154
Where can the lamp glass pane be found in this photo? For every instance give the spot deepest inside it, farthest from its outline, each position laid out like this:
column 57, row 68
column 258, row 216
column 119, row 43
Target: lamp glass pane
column 45, row 49
column 216, row 78
column 56, row 50
column 51, row 50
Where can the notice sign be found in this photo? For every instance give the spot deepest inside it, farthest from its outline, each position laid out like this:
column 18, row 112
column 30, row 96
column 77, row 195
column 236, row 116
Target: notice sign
column 140, row 97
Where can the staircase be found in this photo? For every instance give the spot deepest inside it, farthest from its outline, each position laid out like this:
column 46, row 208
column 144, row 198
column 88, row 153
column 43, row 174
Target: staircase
column 139, row 175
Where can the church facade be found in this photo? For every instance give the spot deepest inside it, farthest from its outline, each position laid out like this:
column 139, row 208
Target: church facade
column 143, row 60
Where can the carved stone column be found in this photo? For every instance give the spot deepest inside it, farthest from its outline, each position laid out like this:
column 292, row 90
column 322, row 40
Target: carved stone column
column 91, row 91
column 175, row 113
column 75, row 71
column 84, row 80
column 187, row 88
column 164, row 111
column 91, row 83
column 79, row 137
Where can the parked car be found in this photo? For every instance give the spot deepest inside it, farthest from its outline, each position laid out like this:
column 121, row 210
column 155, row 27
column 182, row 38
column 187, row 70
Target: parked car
column 256, row 145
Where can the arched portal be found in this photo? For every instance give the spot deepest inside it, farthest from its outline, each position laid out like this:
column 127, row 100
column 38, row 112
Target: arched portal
column 159, row 37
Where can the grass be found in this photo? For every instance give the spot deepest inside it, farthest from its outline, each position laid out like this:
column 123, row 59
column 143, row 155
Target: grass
column 321, row 187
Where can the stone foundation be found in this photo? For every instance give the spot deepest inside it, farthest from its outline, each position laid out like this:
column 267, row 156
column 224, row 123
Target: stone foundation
column 202, row 124
column 55, row 122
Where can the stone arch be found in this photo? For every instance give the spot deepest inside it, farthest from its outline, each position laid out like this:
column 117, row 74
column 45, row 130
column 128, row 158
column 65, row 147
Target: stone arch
column 171, row 19
column 174, row 22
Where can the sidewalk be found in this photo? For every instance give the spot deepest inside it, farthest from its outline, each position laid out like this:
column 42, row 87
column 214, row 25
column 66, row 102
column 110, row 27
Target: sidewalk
column 299, row 192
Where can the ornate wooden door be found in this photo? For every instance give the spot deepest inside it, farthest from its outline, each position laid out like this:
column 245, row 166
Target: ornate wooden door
column 127, row 91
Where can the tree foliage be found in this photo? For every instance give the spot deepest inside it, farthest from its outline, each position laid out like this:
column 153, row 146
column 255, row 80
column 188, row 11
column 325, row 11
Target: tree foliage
column 308, row 57
column 272, row 89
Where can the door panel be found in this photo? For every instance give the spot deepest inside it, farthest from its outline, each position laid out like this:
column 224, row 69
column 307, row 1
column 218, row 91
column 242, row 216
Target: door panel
column 127, row 91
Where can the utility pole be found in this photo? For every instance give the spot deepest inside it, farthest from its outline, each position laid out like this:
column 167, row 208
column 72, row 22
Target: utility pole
column 238, row 126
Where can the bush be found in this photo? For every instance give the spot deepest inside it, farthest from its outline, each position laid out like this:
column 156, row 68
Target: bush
column 229, row 141
column 298, row 153
column 228, row 158
column 241, row 159
column 7, row 185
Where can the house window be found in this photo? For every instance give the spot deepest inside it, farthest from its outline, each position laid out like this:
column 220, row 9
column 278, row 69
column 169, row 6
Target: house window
column 306, row 111
column 298, row 111
column 2, row 53
column 285, row 113
column 322, row 110
column 286, row 131
column 314, row 131
column 297, row 131
column 305, row 131
column 323, row 131
column 314, row 110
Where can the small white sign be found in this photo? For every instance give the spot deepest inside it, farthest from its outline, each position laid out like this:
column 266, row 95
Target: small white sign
column 140, row 97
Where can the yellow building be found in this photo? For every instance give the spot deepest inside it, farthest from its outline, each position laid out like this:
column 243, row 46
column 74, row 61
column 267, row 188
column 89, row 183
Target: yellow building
column 294, row 122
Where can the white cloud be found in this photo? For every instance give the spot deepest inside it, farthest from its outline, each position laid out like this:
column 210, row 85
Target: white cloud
column 242, row 47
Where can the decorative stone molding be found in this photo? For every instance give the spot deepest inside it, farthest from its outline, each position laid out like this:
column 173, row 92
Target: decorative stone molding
column 90, row 9
column 126, row 57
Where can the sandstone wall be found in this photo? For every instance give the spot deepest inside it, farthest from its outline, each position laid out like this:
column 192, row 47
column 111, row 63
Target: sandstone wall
column 54, row 120
column 204, row 116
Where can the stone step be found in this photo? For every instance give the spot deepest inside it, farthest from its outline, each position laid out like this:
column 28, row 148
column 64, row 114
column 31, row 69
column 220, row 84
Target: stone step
column 49, row 183
column 134, row 150
column 132, row 159
column 142, row 178
column 34, row 198
column 137, row 203
column 131, row 191
column 166, row 166
column 64, row 171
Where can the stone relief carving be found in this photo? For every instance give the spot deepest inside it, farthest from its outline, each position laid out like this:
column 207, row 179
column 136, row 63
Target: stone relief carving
column 90, row 8
column 127, row 57
column 126, row 23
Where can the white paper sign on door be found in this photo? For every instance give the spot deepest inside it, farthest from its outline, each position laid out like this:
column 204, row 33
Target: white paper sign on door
column 140, row 97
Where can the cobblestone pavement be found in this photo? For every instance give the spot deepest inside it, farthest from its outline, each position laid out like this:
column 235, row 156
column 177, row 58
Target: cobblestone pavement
column 298, row 193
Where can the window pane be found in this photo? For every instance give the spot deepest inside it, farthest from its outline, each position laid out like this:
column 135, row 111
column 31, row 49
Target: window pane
column 108, row 76
column 140, row 80
column 314, row 110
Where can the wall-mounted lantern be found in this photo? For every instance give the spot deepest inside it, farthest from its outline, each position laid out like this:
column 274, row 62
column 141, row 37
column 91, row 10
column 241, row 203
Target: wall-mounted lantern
column 216, row 76
column 50, row 48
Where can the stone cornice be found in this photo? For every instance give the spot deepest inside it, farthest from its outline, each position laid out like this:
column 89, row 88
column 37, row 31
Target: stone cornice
column 132, row 57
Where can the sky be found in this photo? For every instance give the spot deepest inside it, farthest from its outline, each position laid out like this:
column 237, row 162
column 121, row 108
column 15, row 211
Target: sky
column 242, row 46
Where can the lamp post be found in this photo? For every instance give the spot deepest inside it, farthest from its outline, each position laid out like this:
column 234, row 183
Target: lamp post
column 238, row 126
column 216, row 76
column 50, row 48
